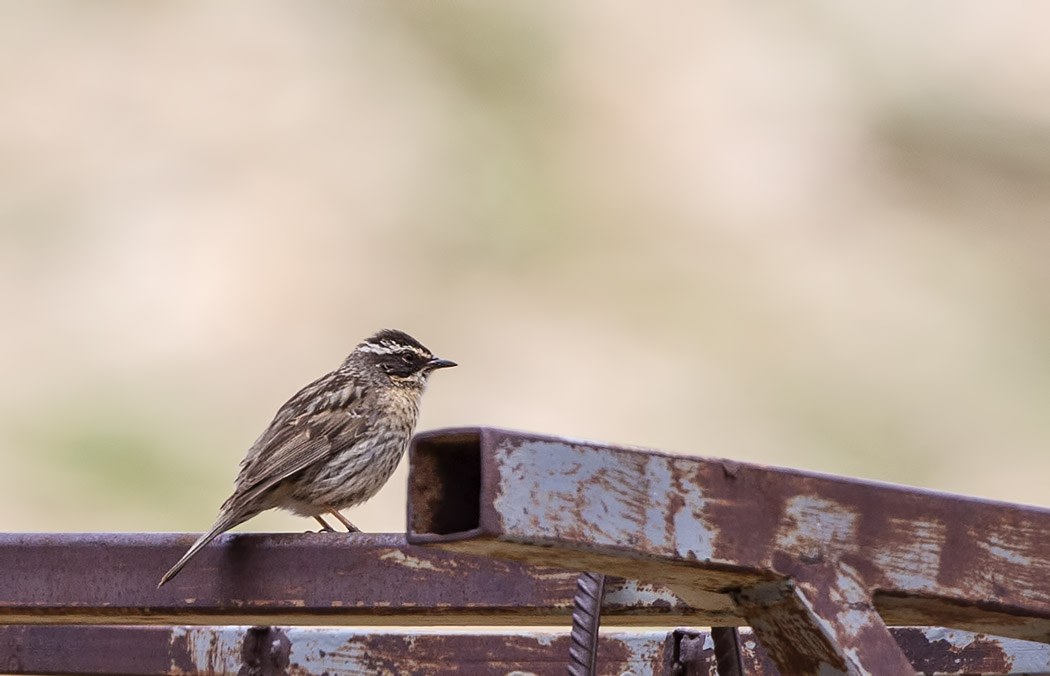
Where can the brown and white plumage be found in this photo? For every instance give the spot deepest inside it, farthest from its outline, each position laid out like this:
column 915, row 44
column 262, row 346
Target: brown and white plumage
column 336, row 442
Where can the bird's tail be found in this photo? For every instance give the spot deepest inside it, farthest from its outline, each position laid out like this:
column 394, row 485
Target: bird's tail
column 225, row 522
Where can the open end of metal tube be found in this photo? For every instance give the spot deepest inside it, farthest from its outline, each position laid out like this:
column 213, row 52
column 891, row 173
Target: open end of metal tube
column 444, row 484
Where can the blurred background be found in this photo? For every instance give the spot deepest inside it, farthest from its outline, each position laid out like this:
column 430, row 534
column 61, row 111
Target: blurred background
column 812, row 235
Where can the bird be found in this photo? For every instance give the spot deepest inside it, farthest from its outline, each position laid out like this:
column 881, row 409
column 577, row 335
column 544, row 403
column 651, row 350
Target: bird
column 336, row 442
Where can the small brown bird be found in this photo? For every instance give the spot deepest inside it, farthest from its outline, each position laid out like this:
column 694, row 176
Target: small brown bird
column 335, row 443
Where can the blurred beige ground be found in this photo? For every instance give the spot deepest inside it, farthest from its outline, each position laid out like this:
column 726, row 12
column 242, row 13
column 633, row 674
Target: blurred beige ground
column 811, row 235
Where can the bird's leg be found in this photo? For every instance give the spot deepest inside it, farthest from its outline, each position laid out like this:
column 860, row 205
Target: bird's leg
column 350, row 528
column 325, row 528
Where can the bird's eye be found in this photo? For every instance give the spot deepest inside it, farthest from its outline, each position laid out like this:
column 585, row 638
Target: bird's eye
column 407, row 358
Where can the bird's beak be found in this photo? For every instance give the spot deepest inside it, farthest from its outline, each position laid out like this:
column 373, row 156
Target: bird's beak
column 436, row 363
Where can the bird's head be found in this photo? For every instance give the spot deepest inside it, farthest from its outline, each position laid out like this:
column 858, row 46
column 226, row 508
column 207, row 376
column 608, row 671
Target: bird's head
column 397, row 357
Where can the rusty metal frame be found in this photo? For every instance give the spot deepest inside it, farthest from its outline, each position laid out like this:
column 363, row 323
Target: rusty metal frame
column 296, row 579
column 159, row 651
column 818, row 565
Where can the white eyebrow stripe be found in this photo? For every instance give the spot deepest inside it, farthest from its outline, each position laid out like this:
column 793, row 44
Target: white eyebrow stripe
column 387, row 347
column 375, row 349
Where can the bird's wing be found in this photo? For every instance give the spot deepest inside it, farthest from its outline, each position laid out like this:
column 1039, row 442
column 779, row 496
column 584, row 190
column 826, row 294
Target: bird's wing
column 297, row 444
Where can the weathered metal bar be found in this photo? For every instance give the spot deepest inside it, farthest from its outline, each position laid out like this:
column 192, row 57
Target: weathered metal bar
column 931, row 651
column 710, row 527
column 308, row 578
column 822, row 626
column 159, row 651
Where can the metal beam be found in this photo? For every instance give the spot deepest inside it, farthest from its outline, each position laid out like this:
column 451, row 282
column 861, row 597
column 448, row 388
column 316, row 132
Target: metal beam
column 709, row 526
column 306, row 578
column 159, row 651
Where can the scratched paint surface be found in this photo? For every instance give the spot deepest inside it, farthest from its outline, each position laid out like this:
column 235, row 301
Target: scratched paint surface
column 555, row 491
column 192, row 647
column 342, row 652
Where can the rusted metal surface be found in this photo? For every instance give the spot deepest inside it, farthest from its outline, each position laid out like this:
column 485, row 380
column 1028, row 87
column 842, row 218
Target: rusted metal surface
column 827, row 627
column 931, row 651
column 309, row 578
column 268, row 651
column 934, row 650
column 709, row 527
column 156, row 651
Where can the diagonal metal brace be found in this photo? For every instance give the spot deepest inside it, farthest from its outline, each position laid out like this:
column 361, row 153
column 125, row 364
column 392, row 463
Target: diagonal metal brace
column 822, row 623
